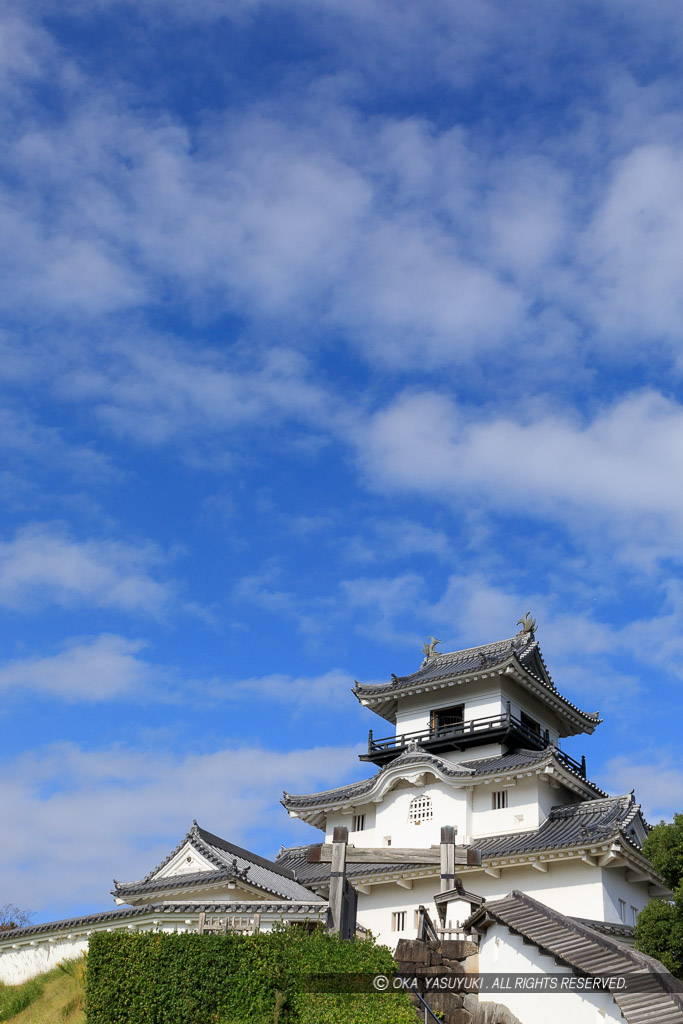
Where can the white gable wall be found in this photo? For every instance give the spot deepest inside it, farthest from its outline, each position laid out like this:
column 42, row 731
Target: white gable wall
column 391, row 816
column 187, row 861
column 501, row 951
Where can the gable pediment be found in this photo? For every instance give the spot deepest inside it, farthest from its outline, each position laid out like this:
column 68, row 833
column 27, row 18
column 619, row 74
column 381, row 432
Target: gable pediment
column 187, row 861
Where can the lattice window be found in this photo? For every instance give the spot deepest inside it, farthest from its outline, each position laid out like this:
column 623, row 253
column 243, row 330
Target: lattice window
column 398, row 921
column 420, row 809
column 499, row 799
column 358, row 822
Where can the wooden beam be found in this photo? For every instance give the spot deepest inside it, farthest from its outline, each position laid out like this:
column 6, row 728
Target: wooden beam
column 405, row 883
column 393, row 855
column 374, row 855
column 539, row 867
column 494, row 872
column 362, row 887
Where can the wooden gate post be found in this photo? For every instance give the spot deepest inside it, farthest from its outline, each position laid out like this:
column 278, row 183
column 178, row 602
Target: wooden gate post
column 447, row 858
column 340, row 838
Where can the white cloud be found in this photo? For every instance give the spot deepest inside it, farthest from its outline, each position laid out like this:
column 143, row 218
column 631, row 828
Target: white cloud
column 43, row 565
column 633, row 244
column 93, row 669
column 623, row 466
column 326, row 690
column 80, row 817
column 659, row 783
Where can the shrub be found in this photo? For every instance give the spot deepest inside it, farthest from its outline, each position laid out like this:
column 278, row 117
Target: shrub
column 185, row 978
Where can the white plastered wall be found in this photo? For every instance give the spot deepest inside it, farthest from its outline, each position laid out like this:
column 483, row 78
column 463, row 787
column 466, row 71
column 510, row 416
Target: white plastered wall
column 502, row 952
column 522, row 813
column 390, row 818
column 481, row 699
column 375, row 910
column 570, row 886
column 616, row 887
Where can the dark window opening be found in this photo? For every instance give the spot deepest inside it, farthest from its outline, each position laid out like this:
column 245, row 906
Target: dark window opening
column 447, row 718
column 530, row 723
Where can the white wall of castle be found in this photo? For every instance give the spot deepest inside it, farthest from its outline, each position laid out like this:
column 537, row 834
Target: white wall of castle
column 502, row 952
column 468, row 807
column 481, row 699
column 569, row 886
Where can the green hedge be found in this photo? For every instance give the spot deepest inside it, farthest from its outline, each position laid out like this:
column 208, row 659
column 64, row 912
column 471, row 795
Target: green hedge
column 185, row 978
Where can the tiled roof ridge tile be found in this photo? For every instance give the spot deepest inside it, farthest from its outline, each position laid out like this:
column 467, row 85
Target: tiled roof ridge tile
column 523, row 653
column 238, row 851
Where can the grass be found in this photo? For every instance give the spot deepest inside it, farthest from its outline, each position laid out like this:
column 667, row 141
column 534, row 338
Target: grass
column 53, row 998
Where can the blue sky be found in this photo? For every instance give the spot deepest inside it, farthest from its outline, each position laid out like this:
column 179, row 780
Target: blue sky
column 326, row 326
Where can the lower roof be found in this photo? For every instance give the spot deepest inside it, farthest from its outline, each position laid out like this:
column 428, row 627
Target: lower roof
column 567, row 826
column 590, row 952
column 230, row 862
column 264, row 907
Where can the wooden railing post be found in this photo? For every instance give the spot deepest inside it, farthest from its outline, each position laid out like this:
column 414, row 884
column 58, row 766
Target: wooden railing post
column 370, row 741
column 583, row 765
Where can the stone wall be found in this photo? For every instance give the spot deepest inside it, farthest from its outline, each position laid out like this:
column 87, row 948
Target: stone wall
column 456, row 957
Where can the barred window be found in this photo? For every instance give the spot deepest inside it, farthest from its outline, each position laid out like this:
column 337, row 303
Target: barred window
column 500, row 799
column 420, row 809
column 358, row 822
column 398, row 921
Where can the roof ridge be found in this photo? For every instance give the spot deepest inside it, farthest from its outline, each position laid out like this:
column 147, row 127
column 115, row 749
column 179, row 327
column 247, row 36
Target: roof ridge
column 571, row 809
column 240, row 851
column 177, row 906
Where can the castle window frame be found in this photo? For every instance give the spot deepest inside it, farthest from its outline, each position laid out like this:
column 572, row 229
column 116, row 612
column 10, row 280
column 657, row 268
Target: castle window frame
column 499, row 799
column 358, row 823
column 420, row 809
column 398, row 921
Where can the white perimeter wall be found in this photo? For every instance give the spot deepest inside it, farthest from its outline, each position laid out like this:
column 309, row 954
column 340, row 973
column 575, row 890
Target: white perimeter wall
column 40, row 953
column 17, row 965
column 502, row 952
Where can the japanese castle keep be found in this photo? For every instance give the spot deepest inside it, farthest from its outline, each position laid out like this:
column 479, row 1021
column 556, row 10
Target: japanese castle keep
column 471, row 814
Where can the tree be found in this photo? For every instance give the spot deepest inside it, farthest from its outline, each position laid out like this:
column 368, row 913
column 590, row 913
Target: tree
column 659, row 929
column 664, row 849
column 13, row 917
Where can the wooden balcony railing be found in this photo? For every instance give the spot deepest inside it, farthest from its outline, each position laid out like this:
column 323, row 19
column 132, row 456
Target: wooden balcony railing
column 505, row 726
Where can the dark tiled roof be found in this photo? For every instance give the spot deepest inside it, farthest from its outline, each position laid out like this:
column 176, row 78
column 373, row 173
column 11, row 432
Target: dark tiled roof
column 567, row 826
column 446, row 665
column 591, row 821
column 481, row 766
column 175, row 882
column 616, row 928
column 590, row 952
column 311, row 906
column 523, row 648
column 318, row 874
column 230, row 861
